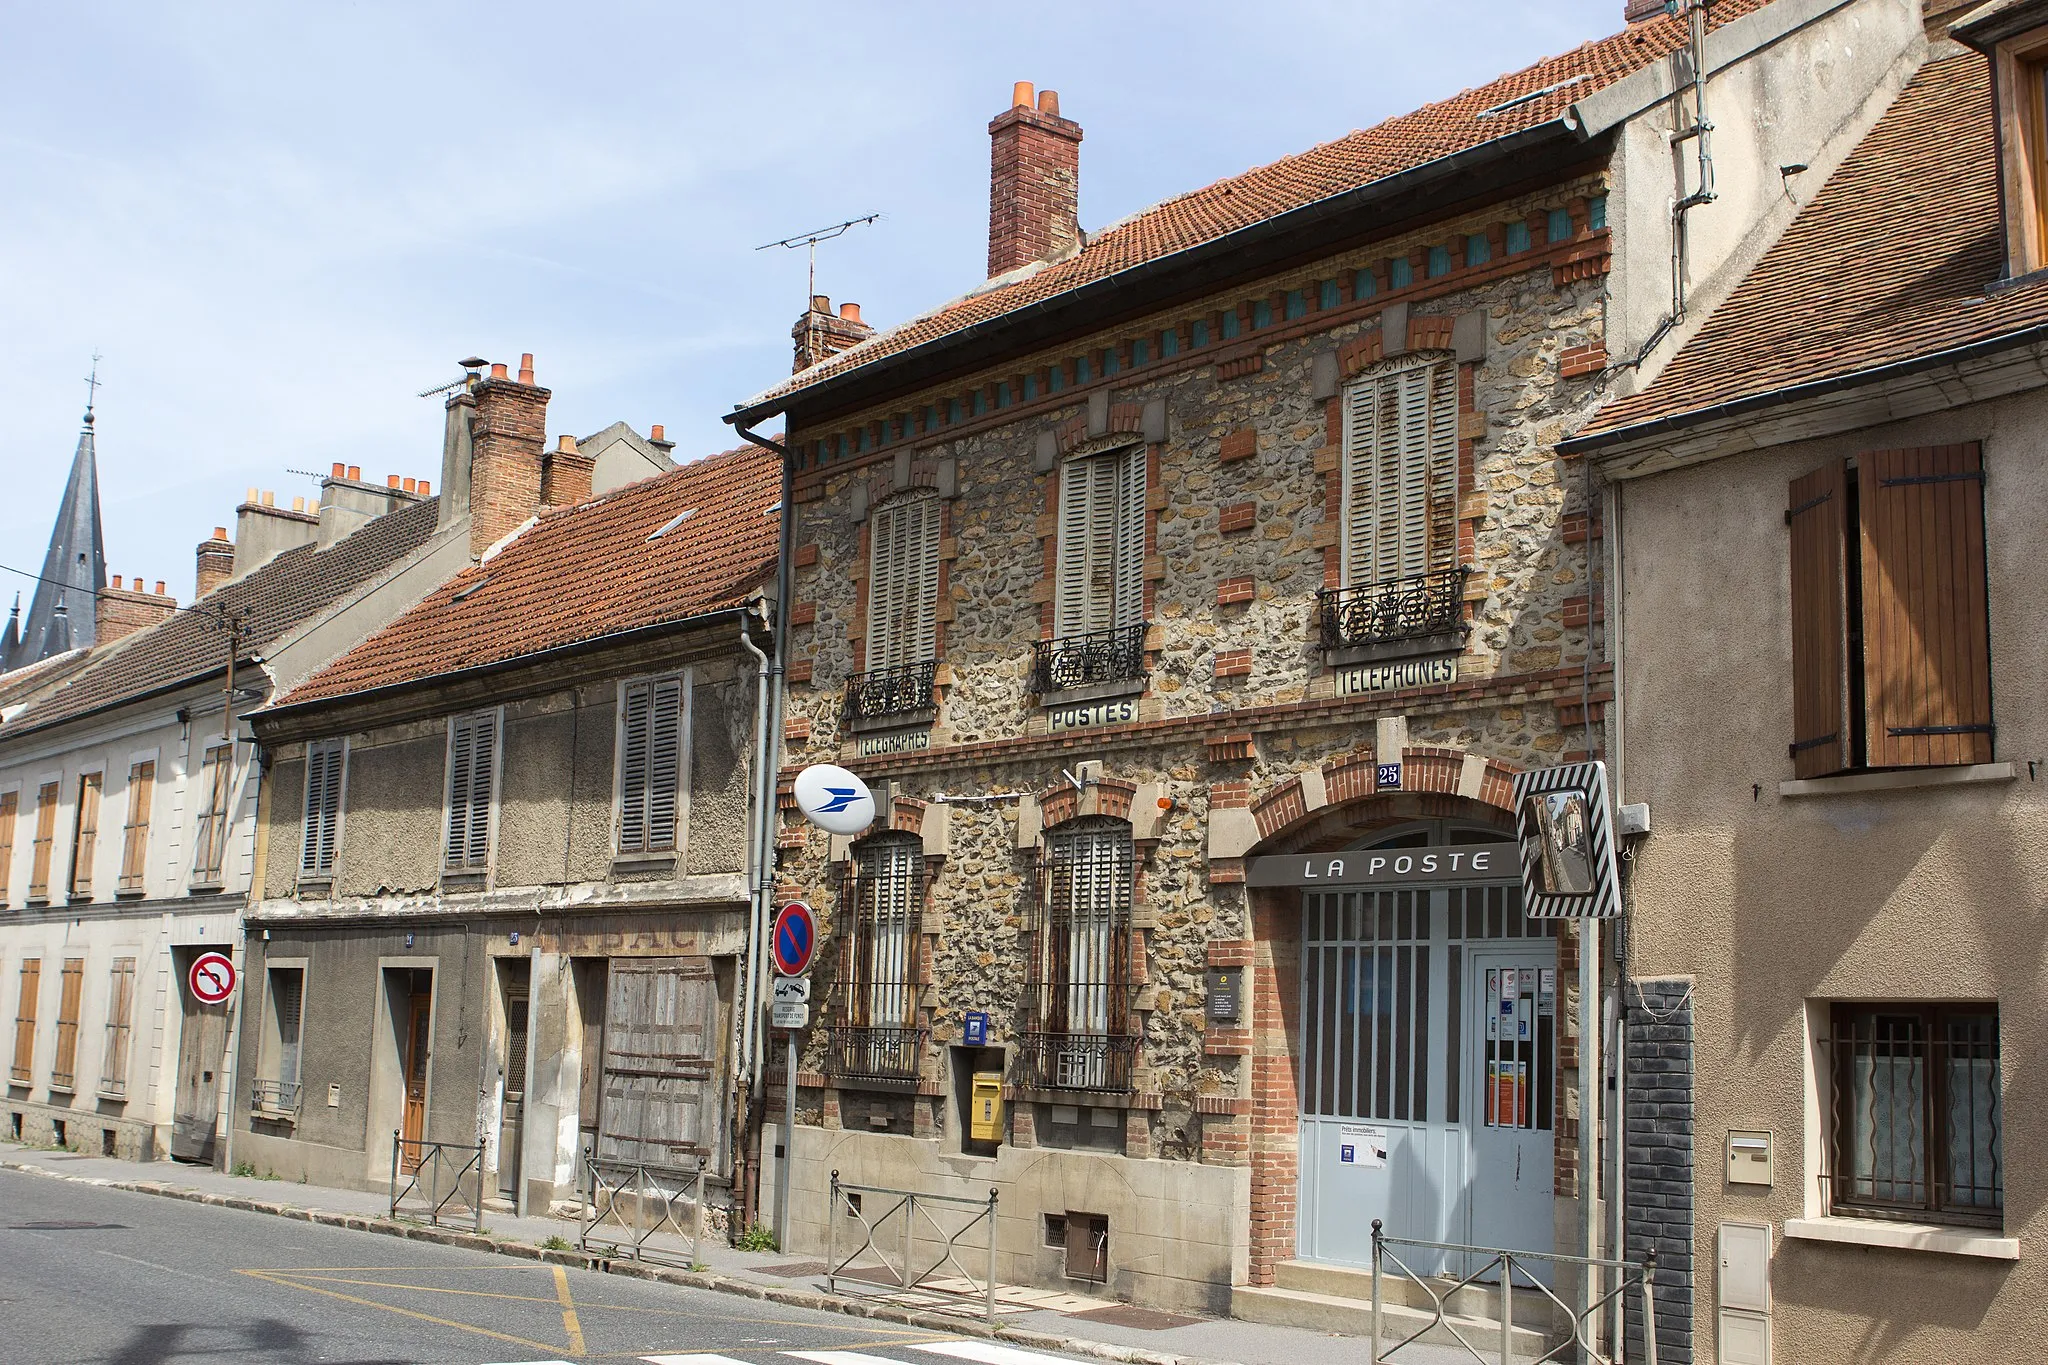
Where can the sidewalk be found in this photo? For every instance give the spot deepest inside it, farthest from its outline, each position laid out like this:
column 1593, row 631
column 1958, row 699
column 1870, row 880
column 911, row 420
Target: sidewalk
column 1188, row 1341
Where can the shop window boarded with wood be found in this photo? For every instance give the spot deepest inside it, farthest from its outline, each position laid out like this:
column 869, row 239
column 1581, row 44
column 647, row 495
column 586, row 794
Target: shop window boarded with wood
column 1891, row 637
column 662, row 1103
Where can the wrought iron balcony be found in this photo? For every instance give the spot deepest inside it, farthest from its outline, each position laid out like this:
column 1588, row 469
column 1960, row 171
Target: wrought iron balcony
column 875, row 1053
column 1099, row 656
column 274, row 1097
column 1410, row 608
column 892, row 691
column 1077, row 1061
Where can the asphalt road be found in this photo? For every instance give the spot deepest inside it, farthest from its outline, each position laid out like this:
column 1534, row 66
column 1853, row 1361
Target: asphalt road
column 112, row 1276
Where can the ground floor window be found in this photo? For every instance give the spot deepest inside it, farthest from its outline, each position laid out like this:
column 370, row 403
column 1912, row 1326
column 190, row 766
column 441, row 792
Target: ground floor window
column 1082, row 1035
column 1916, row 1123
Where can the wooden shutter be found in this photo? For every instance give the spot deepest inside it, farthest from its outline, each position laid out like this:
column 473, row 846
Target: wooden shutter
column 135, row 835
column 217, row 775
column 1400, row 479
column 1818, row 515
column 1102, row 542
column 120, row 1012
column 10, row 806
column 287, row 995
column 1129, row 514
column 662, row 1102
column 903, row 583
column 461, row 777
column 664, row 761
column 64, row 1070
column 85, row 834
column 633, row 737
column 485, row 765
column 46, row 835
column 1073, row 605
column 323, row 808
column 1926, row 627
column 1443, row 468
column 25, row 1020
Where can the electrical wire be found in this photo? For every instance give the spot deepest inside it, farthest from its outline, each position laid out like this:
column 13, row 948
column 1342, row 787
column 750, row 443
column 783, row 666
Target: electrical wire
column 215, row 610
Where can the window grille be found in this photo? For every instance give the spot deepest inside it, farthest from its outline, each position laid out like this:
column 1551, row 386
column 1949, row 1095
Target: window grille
column 650, row 764
column 320, row 837
column 881, row 902
column 1080, row 1004
column 210, row 839
column 135, row 833
column 120, row 1016
column 472, row 766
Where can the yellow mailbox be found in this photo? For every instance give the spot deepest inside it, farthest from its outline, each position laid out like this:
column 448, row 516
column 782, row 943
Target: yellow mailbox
column 985, row 1117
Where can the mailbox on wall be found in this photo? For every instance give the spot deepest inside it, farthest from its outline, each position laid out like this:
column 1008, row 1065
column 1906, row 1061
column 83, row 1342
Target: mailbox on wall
column 985, row 1114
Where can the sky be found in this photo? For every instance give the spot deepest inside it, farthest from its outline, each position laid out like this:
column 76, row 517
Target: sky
column 276, row 224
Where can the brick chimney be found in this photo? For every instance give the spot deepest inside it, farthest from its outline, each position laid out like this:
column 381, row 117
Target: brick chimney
column 820, row 333
column 509, row 437
column 565, row 474
column 1034, row 192
column 1638, row 11
column 216, row 562
column 123, row 611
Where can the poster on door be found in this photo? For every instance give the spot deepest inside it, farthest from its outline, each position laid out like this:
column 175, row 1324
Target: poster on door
column 1362, row 1145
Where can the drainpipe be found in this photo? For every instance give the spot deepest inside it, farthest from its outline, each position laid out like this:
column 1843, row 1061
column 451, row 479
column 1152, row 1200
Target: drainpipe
column 758, row 882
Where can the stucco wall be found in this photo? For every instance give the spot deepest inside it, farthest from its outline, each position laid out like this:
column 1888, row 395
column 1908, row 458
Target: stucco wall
column 1772, row 902
column 721, row 719
column 393, row 812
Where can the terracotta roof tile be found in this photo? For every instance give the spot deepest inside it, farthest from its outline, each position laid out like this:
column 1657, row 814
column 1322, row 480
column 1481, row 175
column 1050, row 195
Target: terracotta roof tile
column 584, row 572
column 1889, row 261
column 271, row 602
column 1466, row 120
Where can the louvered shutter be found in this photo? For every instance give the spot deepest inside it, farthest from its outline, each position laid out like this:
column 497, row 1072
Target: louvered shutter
column 288, row 987
column 903, row 584
column 461, row 775
column 1102, row 542
column 664, row 762
column 323, row 809
column 1129, row 512
column 885, row 587
column 1361, row 476
column 1400, row 481
column 1072, row 609
column 1443, row 468
column 330, row 806
column 486, row 762
column 633, row 734
column 135, row 840
column 1926, row 628
column 1817, row 513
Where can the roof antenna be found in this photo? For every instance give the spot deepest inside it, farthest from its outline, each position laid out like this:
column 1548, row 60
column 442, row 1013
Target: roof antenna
column 812, row 238
column 92, row 385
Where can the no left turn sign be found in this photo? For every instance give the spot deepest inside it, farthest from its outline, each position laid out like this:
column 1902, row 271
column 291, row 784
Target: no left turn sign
column 212, row 978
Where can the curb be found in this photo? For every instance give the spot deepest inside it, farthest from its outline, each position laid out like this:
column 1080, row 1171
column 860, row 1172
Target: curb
column 639, row 1270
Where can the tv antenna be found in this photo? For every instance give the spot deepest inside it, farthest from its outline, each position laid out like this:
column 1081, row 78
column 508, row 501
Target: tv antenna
column 469, row 371
column 811, row 239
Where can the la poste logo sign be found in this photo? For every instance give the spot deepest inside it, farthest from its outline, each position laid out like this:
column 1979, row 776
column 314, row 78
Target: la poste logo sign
column 834, row 799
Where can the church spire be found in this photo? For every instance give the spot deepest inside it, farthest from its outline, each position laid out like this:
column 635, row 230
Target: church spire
column 64, row 608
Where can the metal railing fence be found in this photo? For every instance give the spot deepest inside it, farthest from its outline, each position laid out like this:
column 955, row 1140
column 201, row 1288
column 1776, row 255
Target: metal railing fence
column 631, row 1203
column 438, row 1178
column 274, row 1097
column 1496, row 1274
column 1409, row 608
column 1095, row 656
column 880, row 692
column 900, row 1216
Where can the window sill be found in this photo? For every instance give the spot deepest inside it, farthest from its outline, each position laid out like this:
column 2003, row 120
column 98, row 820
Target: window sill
column 663, row 861
column 1878, row 1232
column 896, row 720
column 1414, row 647
column 1898, row 779
column 130, row 893
column 205, row 888
column 464, row 881
column 112, row 1096
column 314, row 888
column 1116, row 687
column 56, row 1089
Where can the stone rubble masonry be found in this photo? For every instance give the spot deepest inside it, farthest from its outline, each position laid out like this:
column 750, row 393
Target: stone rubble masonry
column 505, row 464
column 1658, row 1073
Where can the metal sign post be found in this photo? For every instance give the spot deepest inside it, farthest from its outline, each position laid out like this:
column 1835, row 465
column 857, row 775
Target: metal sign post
column 792, row 945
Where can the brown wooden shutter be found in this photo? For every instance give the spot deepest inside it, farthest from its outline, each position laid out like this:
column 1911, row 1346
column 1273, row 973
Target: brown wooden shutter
column 135, row 837
column 85, row 835
column 1926, row 629
column 25, row 1020
column 1818, row 518
column 63, row 1070
column 664, row 761
column 10, row 805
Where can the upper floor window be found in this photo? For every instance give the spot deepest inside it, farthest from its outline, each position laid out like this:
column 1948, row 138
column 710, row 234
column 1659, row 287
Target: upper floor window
column 85, row 835
column 1082, row 1025
column 10, row 808
column 47, row 797
column 1891, row 636
column 1401, row 471
column 135, row 833
column 320, row 835
column 472, row 782
column 1101, row 543
column 650, row 763
column 216, row 796
column 881, row 896
column 902, row 610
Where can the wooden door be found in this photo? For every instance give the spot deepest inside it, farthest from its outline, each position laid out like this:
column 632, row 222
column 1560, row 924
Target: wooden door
column 662, row 1099
column 202, row 1051
column 419, row 1029
column 516, row 984
column 591, row 997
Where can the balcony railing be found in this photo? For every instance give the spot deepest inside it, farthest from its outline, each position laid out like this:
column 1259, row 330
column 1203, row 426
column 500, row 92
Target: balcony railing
column 1410, row 608
column 890, row 1054
column 1099, row 656
column 892, row 691
column 1077, row 1061
column 275, row 1097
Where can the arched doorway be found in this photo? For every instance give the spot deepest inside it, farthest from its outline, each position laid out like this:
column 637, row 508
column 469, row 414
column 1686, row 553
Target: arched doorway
column 1426, row 1029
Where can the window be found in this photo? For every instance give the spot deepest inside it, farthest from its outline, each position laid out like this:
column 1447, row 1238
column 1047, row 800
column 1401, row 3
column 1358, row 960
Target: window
column 85, row 834
column 135, row 834
column 902, row 610
column 120, row 1014
column 277, row 1088
column 63, row 1069
column 216, row 796
column 1101, row 542
column 650, row 763
column 1081, row 977
column 46, row 835
column 25, row 1021
column 320, row 835
column 1917, row 1129
column 1891, row 641
column 10, row 803
column 472, row 769
column 881, row 896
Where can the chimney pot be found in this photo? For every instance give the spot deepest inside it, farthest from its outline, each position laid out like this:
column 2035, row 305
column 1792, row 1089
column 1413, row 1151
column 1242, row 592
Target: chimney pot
column 656, row 432
column 1020, row 95
column 566, row 444
column 117, row 582
column 426, row 489
column 391, row 481
column 298, row 504
column 159, row 587
column 252, row 497
column 355, row 473
column 497, row 371
column 220, row 533
column 340, row 471
column 313, row 507
column 850, row 312
column 269, row 498
column 1049, row 102
column 526, row 368
column 820, row 303
column 410, row 485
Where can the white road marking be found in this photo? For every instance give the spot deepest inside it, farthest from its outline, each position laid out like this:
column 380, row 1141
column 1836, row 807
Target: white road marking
column 841, row 1358
column 983, row 1352
column 692, row 1360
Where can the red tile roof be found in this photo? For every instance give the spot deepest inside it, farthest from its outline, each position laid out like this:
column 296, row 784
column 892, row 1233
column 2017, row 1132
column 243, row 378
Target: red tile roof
column 269, row 604
column 1510, row 104
column 1889, row 262
column 584, row 572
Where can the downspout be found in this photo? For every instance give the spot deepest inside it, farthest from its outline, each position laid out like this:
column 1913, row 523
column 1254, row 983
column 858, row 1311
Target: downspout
column 757, row 883
column 1617, row 1095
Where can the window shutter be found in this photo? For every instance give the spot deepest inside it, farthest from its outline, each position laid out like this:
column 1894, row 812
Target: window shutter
column 1071, row 612
column 1102, row 542
column 664, row 762
column 1400, row 482
column 120, row 1008
column 1129, row 608
column 323, row 797
column 1926, row 628
column 85, row 838
column 289, row 987
column 484, row 765
column 1361, row 466
column 461, row 775
column 330, row 807
column 1817, row 513
column 903, row 584
column 633, row 738
column 10, row 805
column 25, row 1019
column 135, row 842
column 1443, row 467
column 922, row 583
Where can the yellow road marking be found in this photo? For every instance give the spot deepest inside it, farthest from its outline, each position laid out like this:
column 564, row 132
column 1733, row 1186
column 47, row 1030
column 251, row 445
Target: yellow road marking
column 569, row 1323
column 402, row 1312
